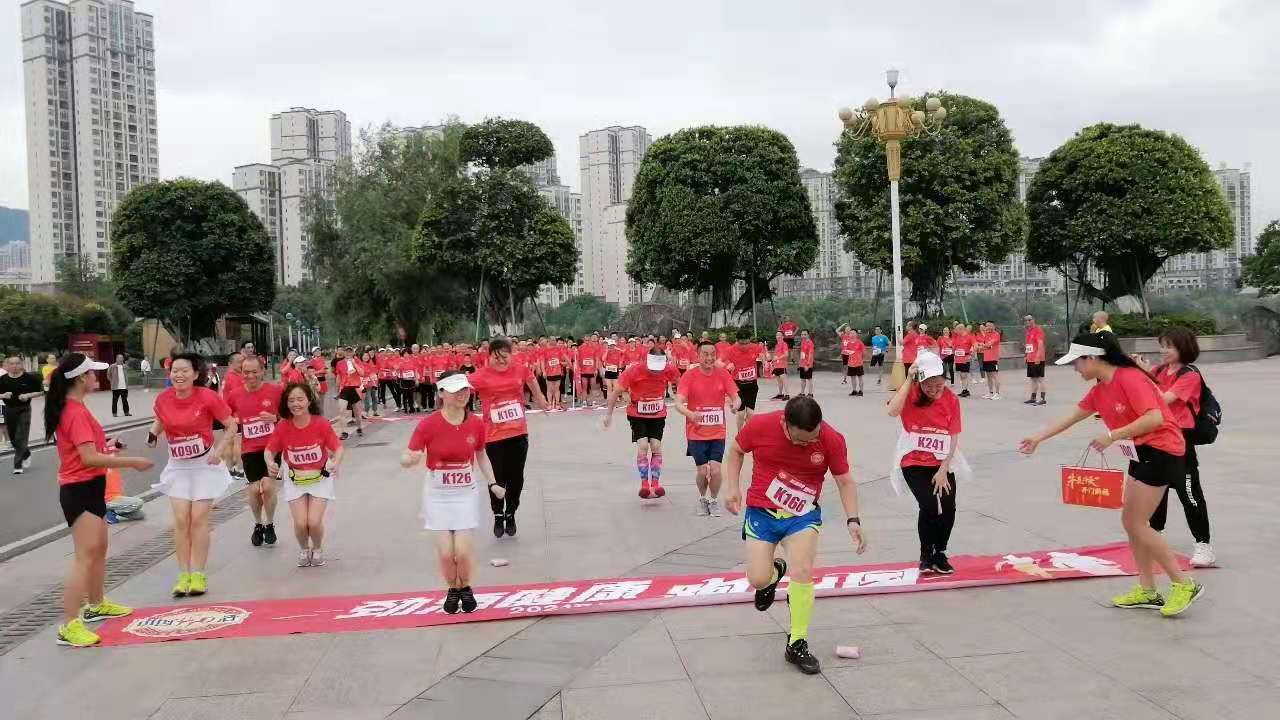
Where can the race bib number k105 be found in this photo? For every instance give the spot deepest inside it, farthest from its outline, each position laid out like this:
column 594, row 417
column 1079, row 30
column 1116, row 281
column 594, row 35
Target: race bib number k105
column 649, row 407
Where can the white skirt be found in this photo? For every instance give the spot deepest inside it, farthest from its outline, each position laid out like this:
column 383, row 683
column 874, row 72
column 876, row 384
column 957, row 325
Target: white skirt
column 449, row 509
column 324, row 488
column 194, row 479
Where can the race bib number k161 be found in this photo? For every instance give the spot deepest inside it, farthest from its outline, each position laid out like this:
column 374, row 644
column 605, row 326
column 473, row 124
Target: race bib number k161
column 649, row 407
column 509, row 411
column 187, row 448
column 746, row 375
column 788, row 494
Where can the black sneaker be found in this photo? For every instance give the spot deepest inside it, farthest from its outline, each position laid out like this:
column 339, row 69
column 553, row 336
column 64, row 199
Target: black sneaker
column 468, row 599
column 940, row 564
column 853, row 394
column 499, row 528
column 764, row 596
column 360, row 432
column 269, row 534
column 1032, row 401
column 451, row 600
column 798, row 655
column 510, row 525
column 345, row 435
column 965, row 393
column 258, row 534
column 926, row 567
column 860, row 393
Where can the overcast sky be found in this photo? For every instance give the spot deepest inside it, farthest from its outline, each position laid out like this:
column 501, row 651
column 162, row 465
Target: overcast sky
column 1208, row 70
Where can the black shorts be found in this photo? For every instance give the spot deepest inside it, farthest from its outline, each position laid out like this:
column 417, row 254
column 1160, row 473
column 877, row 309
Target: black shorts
column 855, row 371
column 747, row 392
column 349, row 395
column 610, row 375
column 962, row 367
column 647, row 427
column 1157, row 468
column 89, row 496
column 1035, row 369
column 877, row 360
column 218, row 426
column 791, row 342
column 844, row 359
column 990, row 366
column 806, row 373
column 255, row 466
column 779, row 371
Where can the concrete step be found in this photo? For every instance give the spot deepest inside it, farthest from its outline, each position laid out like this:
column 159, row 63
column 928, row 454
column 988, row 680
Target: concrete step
column 1230, row 341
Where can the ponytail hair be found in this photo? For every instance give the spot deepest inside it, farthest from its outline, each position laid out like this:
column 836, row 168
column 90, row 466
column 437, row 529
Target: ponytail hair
column 55, row 398
column 1112, row 354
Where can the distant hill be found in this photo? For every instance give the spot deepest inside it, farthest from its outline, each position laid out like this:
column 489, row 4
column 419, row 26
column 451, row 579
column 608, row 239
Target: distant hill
column 15, row 224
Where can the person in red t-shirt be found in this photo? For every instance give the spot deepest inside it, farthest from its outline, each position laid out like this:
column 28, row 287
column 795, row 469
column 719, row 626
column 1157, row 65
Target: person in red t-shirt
column 407, row 377
column 305, row 449
column 740, row 360
column 854, row 360
column 781, row 348
column 792, row 451
column 553, row 370
column 321, row 369
column 255, row 406
column 722, row 346
column 805, row 366
column 646, row 385
column 1139, row 422
column 907, row 354
column 501, row 387
column 195, row 475
column 846, row 336
column 613, row 363
column 988, row 343
column 589, row 354
column 947, row 351
column 293, row 370
column 1033, row 346
column 787, row 331
column 701, row 397
column 84, row 456
column 962, row 344
column 350, row 377
column 931, row 426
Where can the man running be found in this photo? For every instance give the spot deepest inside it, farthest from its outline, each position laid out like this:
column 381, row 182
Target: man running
column 255, row 405
column 792, row 450
column 589, row 354
column 1033, row 345
column 806, row 363
column 879, row 347
column 962, row 343
column 701, row 397
column 321, row 370
column 647, row 413
column 740, row 361
column 350, row 379
column 722, row 345
column 854, row 361
column 989, row 345
column 781, row 350
column 788, row 330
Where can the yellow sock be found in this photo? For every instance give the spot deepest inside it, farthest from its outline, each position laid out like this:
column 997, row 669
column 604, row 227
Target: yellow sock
column 800, row 601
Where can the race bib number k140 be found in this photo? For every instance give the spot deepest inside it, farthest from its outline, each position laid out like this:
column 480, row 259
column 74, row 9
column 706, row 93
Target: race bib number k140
column 297, row 457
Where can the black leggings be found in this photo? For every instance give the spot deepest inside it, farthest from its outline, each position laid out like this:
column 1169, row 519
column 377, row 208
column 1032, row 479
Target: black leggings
column 933, row 527
column 949, row 368
column 1192, row 497
column 507, row 458
column 383, row 387
column 407, row 388
column 428, row 393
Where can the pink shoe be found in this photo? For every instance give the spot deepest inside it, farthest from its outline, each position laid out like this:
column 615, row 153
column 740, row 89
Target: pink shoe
column 644, row 489
column 658, row 490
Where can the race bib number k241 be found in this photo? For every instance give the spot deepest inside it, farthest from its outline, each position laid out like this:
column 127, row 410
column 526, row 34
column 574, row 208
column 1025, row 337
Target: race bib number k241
column 937, row 443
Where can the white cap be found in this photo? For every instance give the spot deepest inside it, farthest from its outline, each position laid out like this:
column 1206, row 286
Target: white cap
column 300, row 360
column 656, row 363
column 923, row 327
column 1078, row 351
column 86, row 366
column 315, row 349
column 454, row 383
column 927, row 365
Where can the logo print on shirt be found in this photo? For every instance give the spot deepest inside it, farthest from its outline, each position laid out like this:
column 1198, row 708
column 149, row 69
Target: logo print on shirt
column 817, row 458
column 471, row 439
column 1120, row 408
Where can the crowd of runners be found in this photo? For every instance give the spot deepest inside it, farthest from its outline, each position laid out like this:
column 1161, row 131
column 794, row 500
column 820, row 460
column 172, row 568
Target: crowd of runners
column 473, row 442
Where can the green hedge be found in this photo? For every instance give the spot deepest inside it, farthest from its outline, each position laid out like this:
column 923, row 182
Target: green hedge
column 1134, row 325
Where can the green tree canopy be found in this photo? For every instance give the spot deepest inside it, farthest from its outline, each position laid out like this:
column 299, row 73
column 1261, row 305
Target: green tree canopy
column 582, row 315
column 1263, row 269
column 188, row 249
column 1123, row 199
column 504, row 143
column 33, row 323
column 958, row 197
column 714, row 205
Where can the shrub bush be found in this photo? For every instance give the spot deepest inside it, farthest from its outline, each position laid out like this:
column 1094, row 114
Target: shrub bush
column 1134, row 325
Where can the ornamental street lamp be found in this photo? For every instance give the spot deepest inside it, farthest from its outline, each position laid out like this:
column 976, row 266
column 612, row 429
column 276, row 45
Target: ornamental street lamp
column 892, row 121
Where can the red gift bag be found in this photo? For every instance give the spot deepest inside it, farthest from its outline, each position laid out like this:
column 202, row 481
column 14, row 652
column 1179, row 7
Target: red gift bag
column 1092, row 487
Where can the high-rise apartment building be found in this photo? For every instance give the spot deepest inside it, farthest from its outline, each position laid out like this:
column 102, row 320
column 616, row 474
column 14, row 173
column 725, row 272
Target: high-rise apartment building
column 15, row 257
column 609, row 160
column 89, row 75
column 306, row 147
column 1217, row 268
column 836, row 272
column 569, row 205
column 543, row 173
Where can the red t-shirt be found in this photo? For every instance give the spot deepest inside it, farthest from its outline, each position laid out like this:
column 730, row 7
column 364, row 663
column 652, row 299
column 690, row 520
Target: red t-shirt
column 963, row 345
column 320, row 367
column 551, row 362
column 910, row 346
column 942, row 416
column 806, row 354
column 788, row 329
column 76, row 427
column 647, row 389
column 447, row 444
column 231, row 383
column 441, row 362
column 775, row 456
column 588, row 358
column 857, row 353
column 741, row 361
column 349, row 374
column 780, row 350
column 945, row 347
column 247, row 406
column 1186, row 387
column 292, row 375
column 502, row 400
column 992, row 340
column 305, row 448
column 1128, row 396
column 186, row 420
column 1033, row 346
column 706, row 394
column 722, row 349
column 847, row 341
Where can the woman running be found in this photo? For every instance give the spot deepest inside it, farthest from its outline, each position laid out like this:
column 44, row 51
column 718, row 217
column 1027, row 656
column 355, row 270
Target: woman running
column 854, row 361
column 369, row 371
column 311, row 452
column 947, row 350
column 408, row 379
column 452, row 443
column 781, row 348
column 195, row 475
column 84, row 455
column 1144, row 429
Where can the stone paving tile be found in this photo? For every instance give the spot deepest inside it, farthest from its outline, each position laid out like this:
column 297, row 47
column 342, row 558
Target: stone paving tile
column 1218, row 701
column 950, row 639
column 917, row 685
column 984, row 712
column 475, row 698
column 880, row 645
column 240, row 706
column 670, row 700
column 553, row 710
column 719, row 621
column 771, row 695
column 528, row 672
column 646, row 657
column 734, row 655
column 833, row 612
column 349, row 712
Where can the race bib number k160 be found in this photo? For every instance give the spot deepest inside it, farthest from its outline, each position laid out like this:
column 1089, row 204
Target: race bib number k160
column 710, row 416
column 509, row 411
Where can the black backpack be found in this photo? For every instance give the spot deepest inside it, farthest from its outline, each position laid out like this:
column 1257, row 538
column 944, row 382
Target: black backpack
column 1210, row 414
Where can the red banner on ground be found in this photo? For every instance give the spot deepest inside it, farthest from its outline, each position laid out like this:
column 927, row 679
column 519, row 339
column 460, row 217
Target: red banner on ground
column 253, row 618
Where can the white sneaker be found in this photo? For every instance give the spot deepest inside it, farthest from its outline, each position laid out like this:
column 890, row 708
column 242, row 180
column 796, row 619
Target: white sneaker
column 704, row 507
column 996, row 396
column 317, row 558
column 988, row 396
column 1203, row 556
column 304, row 558
column 713, row 507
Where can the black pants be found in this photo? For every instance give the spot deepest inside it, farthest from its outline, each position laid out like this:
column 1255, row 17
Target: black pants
column 1192, row 497
column 118, row 396
column 507, row 458
column 949, row 368
column 388, row 385
column 934, row 527
column 17, row 423
column 407, row 389
column 427, row 394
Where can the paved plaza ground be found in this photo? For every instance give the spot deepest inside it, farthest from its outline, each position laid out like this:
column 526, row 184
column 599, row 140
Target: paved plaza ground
column 1044, row 650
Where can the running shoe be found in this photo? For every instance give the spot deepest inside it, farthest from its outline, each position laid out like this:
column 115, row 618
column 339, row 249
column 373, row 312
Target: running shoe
column 468, row 597
column 359, row 432
column 926, row 567
column 1042, row 401
column 199, row 584
column 860, row 393
column 103, row 610
column 499, row 527
column 1181, row 595
column 1139, row 597
column 510, row 524
column 644, row 490
column 995, row 396
column 269, row 534
column 798, row 654
column 704, row 508
column 764, row 596
column 304, row 558
column 345, row 435
column 988, row 396
column 451, row 600
column 259, row 533
column 317, row 558
column 853, row 393
column 18, row 471
column 965, row 393
column 713, row 507
column 1032, row 401
column 183, row 586
column 76, row 634
column 940, row 564
column 786, row 397
column 1203, row 556
column 658, row 490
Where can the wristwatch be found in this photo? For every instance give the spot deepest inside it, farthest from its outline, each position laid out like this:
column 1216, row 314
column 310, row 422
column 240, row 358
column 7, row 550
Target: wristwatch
column 854, row 519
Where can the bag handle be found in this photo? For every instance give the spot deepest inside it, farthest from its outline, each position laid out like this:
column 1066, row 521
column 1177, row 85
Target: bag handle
column 1102, row 457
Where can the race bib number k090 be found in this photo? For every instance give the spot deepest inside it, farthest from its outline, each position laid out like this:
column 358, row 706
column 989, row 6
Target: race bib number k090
column 509, row 411
column 788, row 494
column 937, row 443
column 187, row 448
column 649, row 407
column 253, row 429
column 710, row 416
column 297, row 457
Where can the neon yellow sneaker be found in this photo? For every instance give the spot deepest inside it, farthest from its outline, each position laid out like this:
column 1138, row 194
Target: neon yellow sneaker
column 1139, row 597
column 183, row 588
column 1181, row 595
column 199, row 584
column 103, row 610
column 76, row 634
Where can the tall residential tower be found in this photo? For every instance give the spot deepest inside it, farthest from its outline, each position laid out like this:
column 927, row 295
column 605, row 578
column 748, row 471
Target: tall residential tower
column 609, row 160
